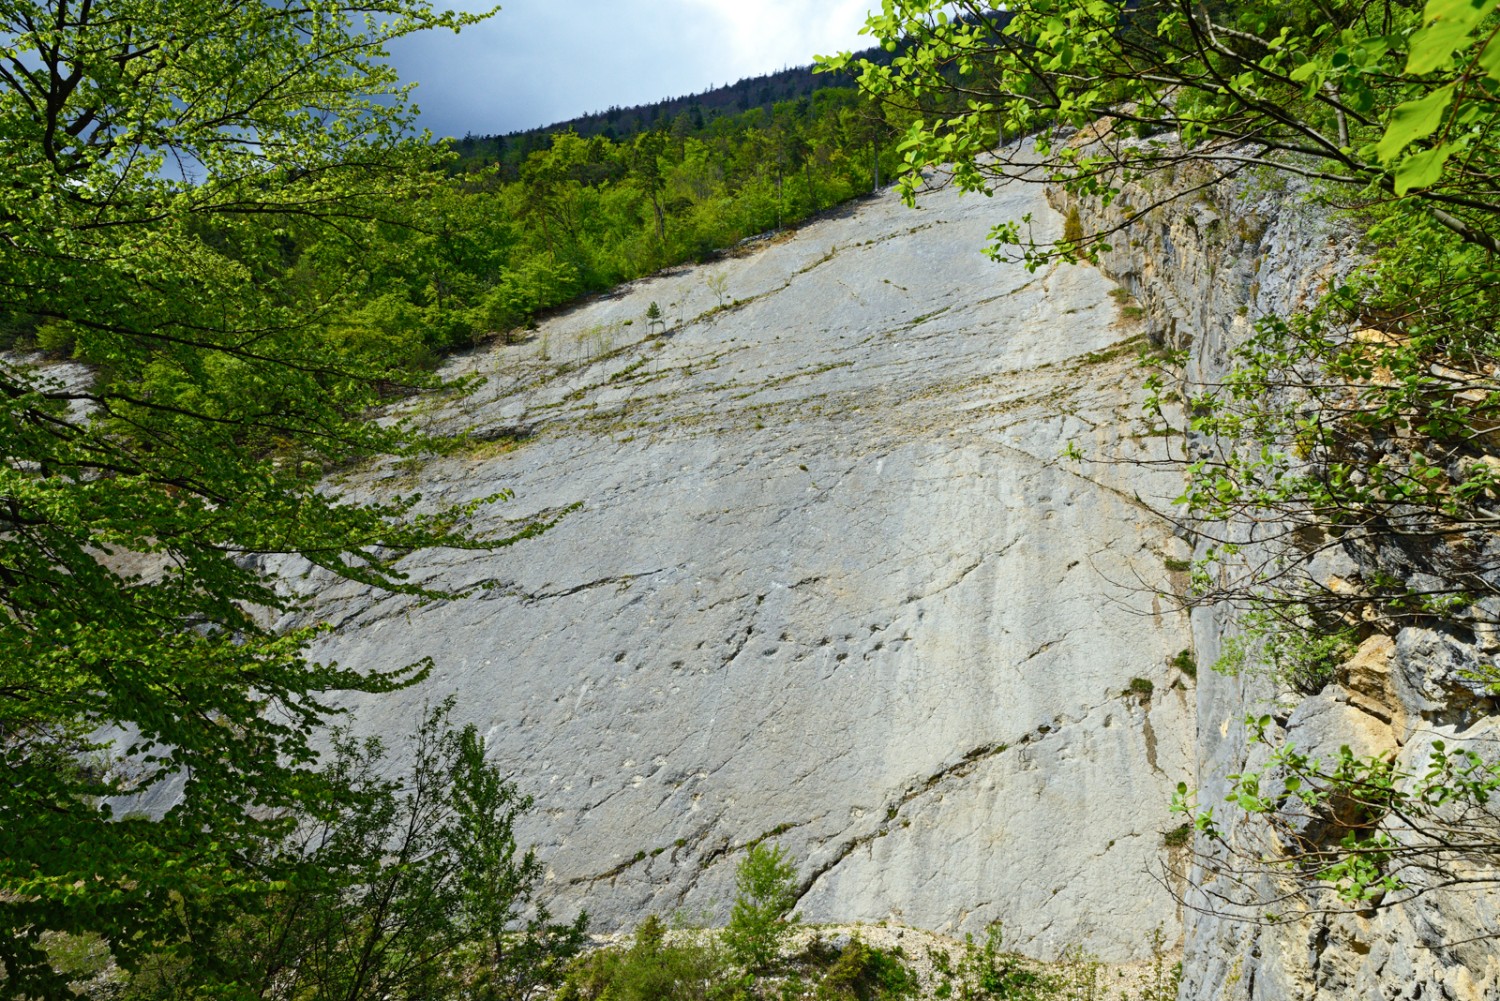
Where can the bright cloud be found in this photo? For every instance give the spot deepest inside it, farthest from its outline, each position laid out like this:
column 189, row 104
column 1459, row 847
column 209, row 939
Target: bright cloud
column 540, row 61
column 769, row 34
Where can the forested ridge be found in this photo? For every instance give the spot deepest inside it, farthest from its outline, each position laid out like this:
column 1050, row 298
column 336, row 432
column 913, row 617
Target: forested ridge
column 488, row 246
column 680, row 115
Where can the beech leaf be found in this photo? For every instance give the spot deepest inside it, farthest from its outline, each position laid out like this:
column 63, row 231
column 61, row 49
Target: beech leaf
column 1449, row 23
column 1489, row 60
column 1413, row 120
column 1422, row 170
column 1302, row 73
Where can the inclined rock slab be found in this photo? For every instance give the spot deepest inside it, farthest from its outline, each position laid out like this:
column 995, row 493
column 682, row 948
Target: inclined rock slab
column 829, row 581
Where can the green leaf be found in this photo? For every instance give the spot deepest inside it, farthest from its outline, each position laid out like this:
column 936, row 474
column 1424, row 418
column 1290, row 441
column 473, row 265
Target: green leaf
column 1413, row 120
column 1449, row 24
column 1489, row 60
column 1306, row 71
column 1422, row 170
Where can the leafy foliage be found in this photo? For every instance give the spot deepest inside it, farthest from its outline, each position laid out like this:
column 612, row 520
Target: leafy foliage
column 986, row 971
column 690, row 967
column 1363, row 828
column 766, row 891
column 413, row 888
column 162, row 160
column 1380, row 99
column 864, row 973
column 1299, row 653
column 695, row 965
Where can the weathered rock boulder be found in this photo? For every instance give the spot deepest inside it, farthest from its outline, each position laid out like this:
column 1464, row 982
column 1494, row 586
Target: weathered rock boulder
column 827, row 579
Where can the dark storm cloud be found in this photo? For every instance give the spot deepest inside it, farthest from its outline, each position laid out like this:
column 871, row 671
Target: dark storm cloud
column 538, row 62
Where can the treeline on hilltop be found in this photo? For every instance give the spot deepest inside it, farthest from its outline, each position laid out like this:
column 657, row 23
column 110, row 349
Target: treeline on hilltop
column 687, row 115
column 488, row 249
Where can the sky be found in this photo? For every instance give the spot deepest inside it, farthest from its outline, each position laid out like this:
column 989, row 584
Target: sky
column 543, row 61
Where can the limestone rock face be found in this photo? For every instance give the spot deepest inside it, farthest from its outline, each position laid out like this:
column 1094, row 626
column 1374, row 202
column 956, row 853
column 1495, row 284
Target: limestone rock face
column 830, row 580
column 1434, row 675
column 1203, row 272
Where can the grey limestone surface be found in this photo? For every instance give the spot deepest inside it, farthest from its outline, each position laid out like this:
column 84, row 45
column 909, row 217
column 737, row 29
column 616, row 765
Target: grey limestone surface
column 827, row 578
column 1205, row 268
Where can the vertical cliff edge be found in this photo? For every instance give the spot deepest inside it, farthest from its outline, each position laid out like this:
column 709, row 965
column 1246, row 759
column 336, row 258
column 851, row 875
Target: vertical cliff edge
column 1204, row 268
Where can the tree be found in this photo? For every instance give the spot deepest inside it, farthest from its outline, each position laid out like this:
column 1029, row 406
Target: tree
column 413, row 888
column 645, row 156
column 1376, row 98
column 718, row 284
column 691, row 966
column 164, row 162
column 1363, row 426
column 766, row 892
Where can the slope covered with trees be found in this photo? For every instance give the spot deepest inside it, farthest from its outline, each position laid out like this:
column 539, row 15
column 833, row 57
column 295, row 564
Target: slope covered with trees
column 680, row 115
column 584, row 214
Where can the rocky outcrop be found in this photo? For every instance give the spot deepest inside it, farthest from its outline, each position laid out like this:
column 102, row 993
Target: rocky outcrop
column 1203, row 268
column 827, row 578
